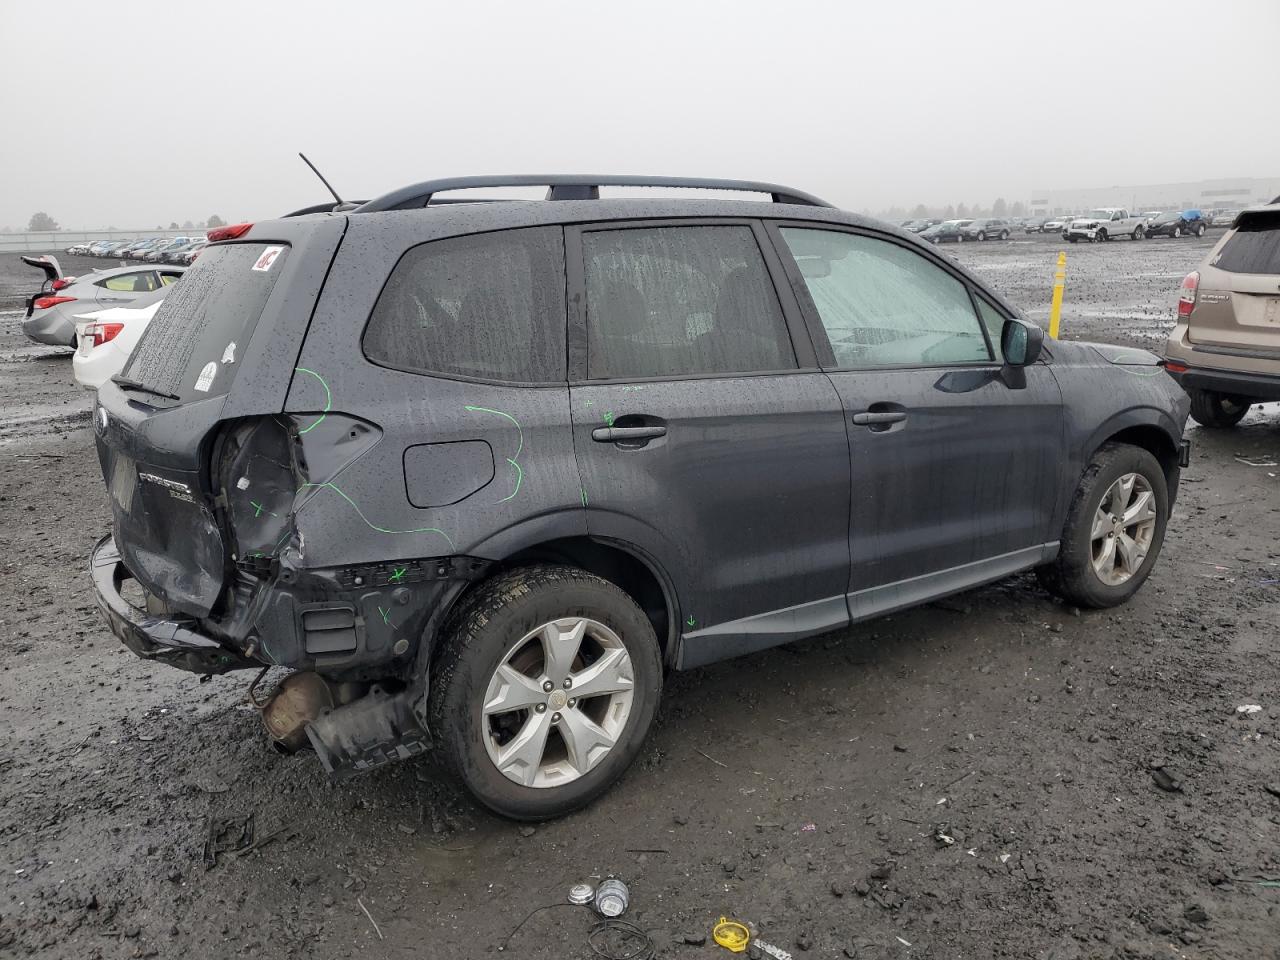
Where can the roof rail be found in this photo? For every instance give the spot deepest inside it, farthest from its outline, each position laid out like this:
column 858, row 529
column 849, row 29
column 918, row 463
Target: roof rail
column 562, row 186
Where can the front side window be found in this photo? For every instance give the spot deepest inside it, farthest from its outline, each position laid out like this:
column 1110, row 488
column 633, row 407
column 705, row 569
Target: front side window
column 883, row 305
column 489, row 306
column 681, row 301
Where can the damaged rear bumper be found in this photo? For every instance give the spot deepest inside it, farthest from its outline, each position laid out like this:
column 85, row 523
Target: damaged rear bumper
column 176, row 642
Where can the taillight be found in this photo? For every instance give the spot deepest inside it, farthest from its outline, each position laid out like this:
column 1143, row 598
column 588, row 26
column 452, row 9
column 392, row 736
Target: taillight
column 44, row 303
column 63, row 282
column 100, row 333
column 228, row 233
column 1174, row 367
column 1190, row 289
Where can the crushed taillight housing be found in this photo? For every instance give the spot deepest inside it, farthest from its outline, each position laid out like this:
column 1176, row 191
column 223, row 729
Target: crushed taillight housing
column 1190, row 290
column 44, row 303
column 100, row 333
column 228, row 233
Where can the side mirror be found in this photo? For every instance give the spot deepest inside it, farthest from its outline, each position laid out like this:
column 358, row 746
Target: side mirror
column 1020, row 342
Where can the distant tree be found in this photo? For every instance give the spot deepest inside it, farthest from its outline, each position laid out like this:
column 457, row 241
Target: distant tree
column 173, row 224
column 188, row 225
column 950, row 212
column 6, row 229
column 1019, row 209
column 962, row 211
column 999, row 208
column 159, row 226
column 42, row 222
column 215, row 221
column 920, row 212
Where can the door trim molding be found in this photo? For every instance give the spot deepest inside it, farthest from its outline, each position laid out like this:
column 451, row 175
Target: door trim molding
column 735, row 638
column 877, row 601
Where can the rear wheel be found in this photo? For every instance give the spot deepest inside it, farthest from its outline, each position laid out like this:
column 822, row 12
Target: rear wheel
column 1115, row 526
column 1218, row 410
column 1004, row 234
column 982, row 235
column 1200, row 230
column 1102, row 236
column 1177, row 232
column 1138, row 232
column 545, row 689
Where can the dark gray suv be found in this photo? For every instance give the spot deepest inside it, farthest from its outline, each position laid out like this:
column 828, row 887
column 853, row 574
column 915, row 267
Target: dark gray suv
column 480, row 473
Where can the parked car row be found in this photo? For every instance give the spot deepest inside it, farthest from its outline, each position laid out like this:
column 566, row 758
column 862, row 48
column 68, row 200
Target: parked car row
column 183, row 250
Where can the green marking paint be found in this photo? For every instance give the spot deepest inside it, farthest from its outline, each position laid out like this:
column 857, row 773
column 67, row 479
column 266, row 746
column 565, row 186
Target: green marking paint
column 398, row 574
column 584, row 496
column 385, row 614
column 328, row 400
column 608, row 418
column 369, row 523
column 690, row 622
column 514, row 458
column 257, row 508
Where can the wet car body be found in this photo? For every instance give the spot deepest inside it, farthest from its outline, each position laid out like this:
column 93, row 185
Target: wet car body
column 51, row 312
column 287, row 496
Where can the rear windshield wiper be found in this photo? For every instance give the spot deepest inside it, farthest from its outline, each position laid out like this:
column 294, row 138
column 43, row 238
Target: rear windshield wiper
column 122, row 381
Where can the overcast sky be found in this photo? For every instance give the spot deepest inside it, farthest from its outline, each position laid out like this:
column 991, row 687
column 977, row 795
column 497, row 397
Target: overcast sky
column 136, row 114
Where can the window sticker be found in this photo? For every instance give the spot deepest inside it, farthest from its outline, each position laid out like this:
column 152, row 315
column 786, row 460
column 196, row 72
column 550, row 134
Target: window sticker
column 264, row 262
column 207, row 373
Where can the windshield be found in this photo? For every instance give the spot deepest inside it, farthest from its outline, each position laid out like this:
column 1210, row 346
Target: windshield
column 1100, row 214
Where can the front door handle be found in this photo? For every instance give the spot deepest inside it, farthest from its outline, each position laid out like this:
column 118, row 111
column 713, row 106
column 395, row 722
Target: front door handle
column 623, row 434
column 879, row 417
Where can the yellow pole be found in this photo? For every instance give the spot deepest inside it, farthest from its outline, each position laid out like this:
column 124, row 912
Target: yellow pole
column 1059, row 284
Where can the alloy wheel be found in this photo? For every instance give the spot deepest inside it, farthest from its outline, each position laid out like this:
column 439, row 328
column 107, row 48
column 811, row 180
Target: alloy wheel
column 1123, row 527
column 558, row 702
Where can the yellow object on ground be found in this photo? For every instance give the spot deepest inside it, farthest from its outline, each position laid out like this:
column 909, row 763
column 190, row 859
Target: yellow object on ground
column 731, row 935
column 1059, row 284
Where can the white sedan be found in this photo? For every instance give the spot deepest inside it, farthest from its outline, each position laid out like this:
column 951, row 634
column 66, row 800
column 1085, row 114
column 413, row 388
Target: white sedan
column 105, row 339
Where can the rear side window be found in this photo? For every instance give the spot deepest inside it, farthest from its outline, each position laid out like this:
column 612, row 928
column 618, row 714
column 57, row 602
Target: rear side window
column 489, row 306
column 143, row 282
column 204, row 324
column 883, row 305
column 681, row 301
column 1255, row 246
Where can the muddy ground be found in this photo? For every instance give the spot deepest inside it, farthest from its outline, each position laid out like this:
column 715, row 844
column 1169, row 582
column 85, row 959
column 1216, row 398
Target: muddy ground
column 803, row 789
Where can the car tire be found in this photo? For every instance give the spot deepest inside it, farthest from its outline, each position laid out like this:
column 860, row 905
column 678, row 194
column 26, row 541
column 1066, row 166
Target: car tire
column 1004, row 234
column 1071, row 239
column 1176, row 232
column 501, row 621
column 982, row 235
column 1200, row 230
column 1075, row 575
column 1102, row 236
column 1217, row 410
column 1138, row 232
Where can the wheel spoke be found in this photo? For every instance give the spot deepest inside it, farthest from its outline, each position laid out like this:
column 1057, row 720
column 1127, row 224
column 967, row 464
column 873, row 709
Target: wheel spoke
column 1101, row 524
column 610, row 674
column 1106, row 563
column 561, row 641
column 1128, row 554
column 512, row 690
column 1141, row 508
column 586, row 741
column 1124, row 492
column 520, row 759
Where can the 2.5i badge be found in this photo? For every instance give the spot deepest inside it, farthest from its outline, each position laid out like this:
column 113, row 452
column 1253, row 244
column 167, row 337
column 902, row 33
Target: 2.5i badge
column 207, row 373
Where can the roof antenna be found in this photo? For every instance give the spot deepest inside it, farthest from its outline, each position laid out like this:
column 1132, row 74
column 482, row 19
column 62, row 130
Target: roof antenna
column 320, row 175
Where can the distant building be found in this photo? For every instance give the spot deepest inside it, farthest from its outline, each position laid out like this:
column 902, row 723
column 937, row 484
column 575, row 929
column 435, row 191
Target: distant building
column 1201, row 194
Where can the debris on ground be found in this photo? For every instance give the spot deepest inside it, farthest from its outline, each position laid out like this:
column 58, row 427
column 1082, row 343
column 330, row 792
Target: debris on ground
column 227, row 835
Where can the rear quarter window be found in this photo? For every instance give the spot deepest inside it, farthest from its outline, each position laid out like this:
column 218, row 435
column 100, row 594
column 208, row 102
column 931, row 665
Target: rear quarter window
column 489, row 307
column 203, row 326
column 1254, row 247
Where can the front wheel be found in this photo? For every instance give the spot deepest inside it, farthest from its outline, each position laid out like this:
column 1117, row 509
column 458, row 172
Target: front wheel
column 1102, row 236
column 1200, row 230
column 1177, row 232
column 1004, row 234
column 545, row 688
column 1216, row 410
column 1138, row 233
column 1115, row 526
column 981, row 235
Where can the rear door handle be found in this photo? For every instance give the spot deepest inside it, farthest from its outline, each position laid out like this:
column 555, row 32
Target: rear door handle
column 887, row 416
column 622, row 434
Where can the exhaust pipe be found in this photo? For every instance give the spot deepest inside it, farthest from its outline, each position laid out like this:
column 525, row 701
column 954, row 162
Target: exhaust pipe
column 299, row 699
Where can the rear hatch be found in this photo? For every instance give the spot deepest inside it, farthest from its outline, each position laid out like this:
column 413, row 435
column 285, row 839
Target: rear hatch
column 1238, row 302
column 222, row 346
